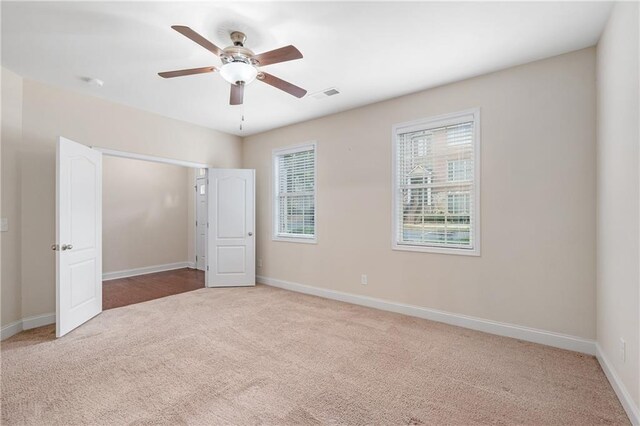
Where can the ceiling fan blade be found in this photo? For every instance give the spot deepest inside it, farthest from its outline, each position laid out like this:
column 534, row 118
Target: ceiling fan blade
column 284, row 54
column 190, row 34
column 180, row 73
column 237, row 94
column 276, row 82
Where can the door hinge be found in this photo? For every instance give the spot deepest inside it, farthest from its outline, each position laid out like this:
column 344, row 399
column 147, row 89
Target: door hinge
column 196, row 258
column 207, row 224
column 196, row 223
column 207, row 267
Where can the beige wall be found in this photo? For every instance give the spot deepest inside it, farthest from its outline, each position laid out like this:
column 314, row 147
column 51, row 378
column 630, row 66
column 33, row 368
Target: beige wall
column 618, row 235
column 11, row 143
column 48, row 113
column 145, row 214
column 537, row 267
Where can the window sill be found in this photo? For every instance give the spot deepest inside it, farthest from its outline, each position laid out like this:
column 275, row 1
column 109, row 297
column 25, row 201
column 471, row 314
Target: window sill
column 303, row 240
column 438, row 250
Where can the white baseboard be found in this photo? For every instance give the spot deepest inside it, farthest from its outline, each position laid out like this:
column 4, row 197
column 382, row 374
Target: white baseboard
column 618, row 386
column 26, row 324
column 11, row 329
column 549, row 338
column 146, row 270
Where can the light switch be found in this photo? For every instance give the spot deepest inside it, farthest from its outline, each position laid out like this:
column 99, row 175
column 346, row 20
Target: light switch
column 4, row 224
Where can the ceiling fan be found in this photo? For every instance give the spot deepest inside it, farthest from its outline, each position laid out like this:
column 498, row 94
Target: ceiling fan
column 240, row 66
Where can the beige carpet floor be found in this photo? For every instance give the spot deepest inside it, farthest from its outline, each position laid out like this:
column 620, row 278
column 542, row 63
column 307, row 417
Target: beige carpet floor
column 267, row 356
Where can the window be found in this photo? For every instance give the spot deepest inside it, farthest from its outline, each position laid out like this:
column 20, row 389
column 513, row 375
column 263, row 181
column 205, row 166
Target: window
column 436, row 184
column 295, row 194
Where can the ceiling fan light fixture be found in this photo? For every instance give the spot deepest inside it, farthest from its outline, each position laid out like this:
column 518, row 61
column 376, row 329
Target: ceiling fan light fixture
column 238, row 72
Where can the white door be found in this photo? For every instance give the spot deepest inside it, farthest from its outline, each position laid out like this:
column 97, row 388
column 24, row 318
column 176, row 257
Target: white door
column 78, row 235
column 201, row 223
column 231, row 244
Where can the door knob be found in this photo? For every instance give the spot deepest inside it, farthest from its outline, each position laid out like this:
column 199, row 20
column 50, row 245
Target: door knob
column 55, row 247
column 250, row 233
column 67, row 247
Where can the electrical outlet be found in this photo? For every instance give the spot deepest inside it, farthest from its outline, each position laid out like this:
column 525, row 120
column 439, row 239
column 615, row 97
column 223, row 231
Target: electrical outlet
column 363, row 279
column 259, row 263
column 623, row 350
column 4, row 224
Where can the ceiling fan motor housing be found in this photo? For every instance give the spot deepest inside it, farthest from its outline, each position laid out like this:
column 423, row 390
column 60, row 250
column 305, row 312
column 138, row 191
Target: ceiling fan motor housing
column 237, row 52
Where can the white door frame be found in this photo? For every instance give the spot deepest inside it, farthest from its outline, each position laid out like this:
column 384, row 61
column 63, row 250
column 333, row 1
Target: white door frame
column 195, row 211
column 134, row 156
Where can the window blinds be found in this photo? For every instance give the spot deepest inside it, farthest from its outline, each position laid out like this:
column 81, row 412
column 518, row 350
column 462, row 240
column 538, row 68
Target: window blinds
column 295, row 198
column 435, row 173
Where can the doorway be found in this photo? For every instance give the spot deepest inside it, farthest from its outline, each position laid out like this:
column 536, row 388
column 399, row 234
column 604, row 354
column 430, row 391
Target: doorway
column 152, row 216
column 229, row 243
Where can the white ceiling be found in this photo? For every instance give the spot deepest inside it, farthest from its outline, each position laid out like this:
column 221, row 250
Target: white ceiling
column 369, row 51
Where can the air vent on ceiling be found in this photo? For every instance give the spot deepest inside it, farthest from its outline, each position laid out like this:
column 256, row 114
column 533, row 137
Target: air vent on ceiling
column 325, row 93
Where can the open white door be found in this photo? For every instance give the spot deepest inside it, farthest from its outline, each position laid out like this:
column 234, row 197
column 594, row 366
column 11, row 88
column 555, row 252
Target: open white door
column 78, row 235
column 231, row 243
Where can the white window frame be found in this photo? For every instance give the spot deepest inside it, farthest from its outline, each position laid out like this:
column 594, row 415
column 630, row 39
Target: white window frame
column 275, row 236
column 472, row 114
